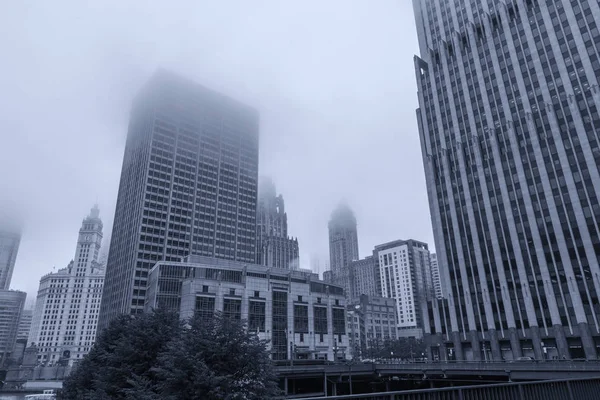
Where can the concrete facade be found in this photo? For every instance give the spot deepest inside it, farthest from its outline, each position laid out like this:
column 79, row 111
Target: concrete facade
column 509, row 123
column 65, row 317
column 301, row 316
column 9, row 247
column 188, row 186
column 405, row 275
column 343, row 238
column 11, row 307
column 371, row 321
column 274, row 248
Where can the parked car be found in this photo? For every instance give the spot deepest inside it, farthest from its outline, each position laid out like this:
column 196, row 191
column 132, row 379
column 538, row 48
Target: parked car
column 525, row 359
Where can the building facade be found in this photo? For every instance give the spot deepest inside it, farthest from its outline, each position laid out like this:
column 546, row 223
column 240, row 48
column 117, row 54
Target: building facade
column 363, row 278
column 188, row 186
column 371, row 322
column 301, row 316
column 12, row 303
column 25, row 324
column 274, row 248
column 510, row 135
column 343, row 238
column 9, row 247
column 65, row 317
column 435, row 276
column 405, row 274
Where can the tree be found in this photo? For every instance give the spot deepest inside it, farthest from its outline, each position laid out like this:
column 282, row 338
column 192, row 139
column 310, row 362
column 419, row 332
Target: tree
column 216, row 359
column 124, row 354
column 155, row 356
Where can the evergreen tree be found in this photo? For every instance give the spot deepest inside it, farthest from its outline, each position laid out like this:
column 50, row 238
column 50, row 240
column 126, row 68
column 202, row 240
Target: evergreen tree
column 154, row 356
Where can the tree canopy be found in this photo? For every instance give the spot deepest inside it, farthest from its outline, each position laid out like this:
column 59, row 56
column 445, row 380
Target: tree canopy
column 156, row 356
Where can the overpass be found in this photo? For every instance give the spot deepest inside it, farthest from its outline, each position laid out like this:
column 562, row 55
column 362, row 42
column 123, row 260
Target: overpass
column 348, row 378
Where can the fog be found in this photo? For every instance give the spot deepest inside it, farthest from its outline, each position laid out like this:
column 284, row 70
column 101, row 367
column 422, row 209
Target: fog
column 333, row 81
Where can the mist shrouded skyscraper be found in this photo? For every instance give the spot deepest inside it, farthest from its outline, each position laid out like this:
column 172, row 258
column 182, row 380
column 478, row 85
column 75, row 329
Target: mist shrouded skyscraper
column 343, row 238
column 510, row 134
column 188, row 186
column 274, row 247
column 9, row 247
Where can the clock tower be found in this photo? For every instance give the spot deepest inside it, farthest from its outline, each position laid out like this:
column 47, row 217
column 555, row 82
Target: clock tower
column 88, row 243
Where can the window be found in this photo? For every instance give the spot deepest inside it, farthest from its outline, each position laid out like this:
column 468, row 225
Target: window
column 205, row 307
column 256, row 293
column 256, row 316
column 320, row 317
column 339, row 326
column 232, row 308
column 300, row 319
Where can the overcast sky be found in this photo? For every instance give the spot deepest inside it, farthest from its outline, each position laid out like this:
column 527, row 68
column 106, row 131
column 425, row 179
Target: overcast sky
column 333, row 81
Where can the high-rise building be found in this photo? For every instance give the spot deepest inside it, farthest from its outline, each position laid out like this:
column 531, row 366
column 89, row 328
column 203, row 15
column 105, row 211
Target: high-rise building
column 25, row 324
column 300, row 316
column 274, row 247
column 11, row 307
column 343, row 238
column 405, row 273
column 510, row 132
column 9, row 246
column 66, row 311
column 371, row 322
column 435, row 276
column 188, row 186
column 358, row 278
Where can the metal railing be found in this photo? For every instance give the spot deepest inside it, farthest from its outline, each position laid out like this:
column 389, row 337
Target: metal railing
column 562, row 389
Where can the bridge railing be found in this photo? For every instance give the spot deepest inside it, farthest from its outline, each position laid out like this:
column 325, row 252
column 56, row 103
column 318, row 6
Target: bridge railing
column 563, row 389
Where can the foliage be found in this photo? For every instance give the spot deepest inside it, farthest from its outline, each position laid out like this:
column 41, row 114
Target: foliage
column 155, row 356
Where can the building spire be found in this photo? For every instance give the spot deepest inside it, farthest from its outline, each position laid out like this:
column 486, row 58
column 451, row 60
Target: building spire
column 95, row 212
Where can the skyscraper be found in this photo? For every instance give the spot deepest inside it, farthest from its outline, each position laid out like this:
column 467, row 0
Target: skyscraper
column 188, row 186
column 274, row 247
column 343, row 238
column 9, row 246
column 510, row 134
column 435, row 276
column 11, row 307
column 405, row 274
column 66, row 311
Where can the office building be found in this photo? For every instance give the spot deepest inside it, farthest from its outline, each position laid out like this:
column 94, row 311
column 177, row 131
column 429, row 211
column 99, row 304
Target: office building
column 9, row 246
column 25, row 324
column 371, row 322
column 363, row 278
column 274, row 247
column 188, row 186
column 510, row 132
column 343, row 238
column 301, row 316
column 405, row 275
column 435, row 276
column 66, row 311
column 11, row 307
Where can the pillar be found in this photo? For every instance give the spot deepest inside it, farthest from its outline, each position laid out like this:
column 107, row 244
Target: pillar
column 561, row 343
column 495, row 345
column 475, row 345
column 587, row 341
column 536, row 340
column 515, row 343
column 458, row 351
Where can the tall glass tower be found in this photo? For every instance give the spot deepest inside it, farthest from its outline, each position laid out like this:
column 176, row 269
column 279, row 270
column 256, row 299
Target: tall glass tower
column 510, row 133
column 188, row 186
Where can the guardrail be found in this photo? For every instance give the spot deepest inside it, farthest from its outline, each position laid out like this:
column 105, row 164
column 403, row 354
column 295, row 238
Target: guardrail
column 561, row 389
